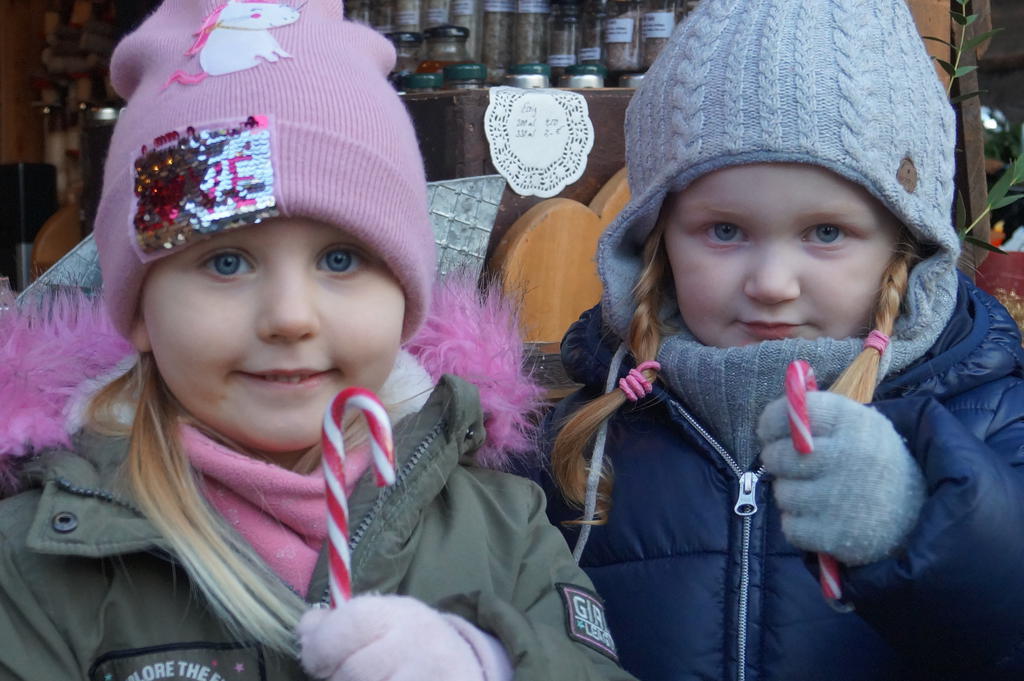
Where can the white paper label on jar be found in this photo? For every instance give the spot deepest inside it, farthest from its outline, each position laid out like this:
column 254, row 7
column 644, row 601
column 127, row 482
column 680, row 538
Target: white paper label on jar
column 407, row 18
column 437, row 16
column 539, row 138
column 590, row 54
column 534, row 7
column 658, row 24
column 561, row 60
column 618, row 30
column 461, row 7
column 499, row 5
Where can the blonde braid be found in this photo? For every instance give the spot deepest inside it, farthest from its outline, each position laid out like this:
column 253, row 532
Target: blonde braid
column 859, row 380
column 569, row 460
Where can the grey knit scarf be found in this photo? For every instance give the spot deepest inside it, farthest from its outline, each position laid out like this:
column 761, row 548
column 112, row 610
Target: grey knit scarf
column 728, row 388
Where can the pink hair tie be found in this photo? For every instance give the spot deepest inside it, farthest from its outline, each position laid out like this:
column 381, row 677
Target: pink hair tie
column 635, row 384
column 877, row 340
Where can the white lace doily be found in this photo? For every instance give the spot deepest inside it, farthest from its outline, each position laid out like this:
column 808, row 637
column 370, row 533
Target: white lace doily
column 539, row 138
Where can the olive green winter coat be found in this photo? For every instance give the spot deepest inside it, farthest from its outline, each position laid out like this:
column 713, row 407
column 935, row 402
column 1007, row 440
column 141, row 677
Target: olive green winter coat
column 88, row 590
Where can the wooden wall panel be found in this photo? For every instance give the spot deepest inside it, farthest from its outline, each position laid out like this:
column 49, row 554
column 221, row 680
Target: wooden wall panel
column 932, row 19
column 21, row 43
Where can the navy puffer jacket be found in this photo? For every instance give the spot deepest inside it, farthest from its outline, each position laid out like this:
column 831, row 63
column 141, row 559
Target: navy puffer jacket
column 695, row 591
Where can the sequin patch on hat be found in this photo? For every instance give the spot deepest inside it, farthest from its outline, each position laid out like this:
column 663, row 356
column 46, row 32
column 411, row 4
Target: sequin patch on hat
column 203, row 182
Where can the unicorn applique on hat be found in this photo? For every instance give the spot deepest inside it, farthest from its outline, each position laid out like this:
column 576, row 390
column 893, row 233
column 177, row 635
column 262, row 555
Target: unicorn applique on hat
column 235, row 37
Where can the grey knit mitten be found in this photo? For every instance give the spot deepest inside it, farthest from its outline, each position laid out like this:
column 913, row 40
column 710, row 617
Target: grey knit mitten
column 857, row 495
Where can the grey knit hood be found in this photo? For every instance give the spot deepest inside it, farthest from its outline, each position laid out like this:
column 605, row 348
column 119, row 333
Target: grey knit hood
column 842, row 84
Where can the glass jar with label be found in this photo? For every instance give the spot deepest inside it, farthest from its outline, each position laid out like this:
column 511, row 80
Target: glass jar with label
column 407, row 50
column 465, row 76
column 684, row 7
column 622, row 37
column 359, row 11
column 436, row 13
column 656, row 28
column 498, row 48
column 469, row 13
column 563, row 36
column 407, row 16
column 383, row 17
column 592, row 32
column 445, row 45
column 532, row 31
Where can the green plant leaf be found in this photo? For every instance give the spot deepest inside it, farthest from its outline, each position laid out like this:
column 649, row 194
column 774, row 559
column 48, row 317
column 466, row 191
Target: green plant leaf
column 946, row 66
column 962, row 3
column 959, row 18
column 960, row 98
column 971, row 19
column 978, row 40
column 998, row 190
column 940, row 40
column 984, row 244
column 961, row 213
column 1017, row 168
column 1006, row 201
column 964, row 70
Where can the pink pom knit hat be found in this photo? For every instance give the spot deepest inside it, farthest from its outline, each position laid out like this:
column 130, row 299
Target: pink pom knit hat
column 248, row 110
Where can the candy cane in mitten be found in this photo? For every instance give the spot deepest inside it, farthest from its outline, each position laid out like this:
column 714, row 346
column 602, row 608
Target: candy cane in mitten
column 339, row 559
column 800, row 379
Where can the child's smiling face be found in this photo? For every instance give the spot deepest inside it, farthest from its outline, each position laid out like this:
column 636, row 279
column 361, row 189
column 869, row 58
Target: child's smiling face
column 772, row 251
column 256, row 329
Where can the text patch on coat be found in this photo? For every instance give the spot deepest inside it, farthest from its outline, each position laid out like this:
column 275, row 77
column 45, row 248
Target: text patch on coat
column 584, row 619
column 182, row 662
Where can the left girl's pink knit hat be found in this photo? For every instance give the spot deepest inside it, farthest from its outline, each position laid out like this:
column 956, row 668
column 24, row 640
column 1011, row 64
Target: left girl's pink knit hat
column 247, row 110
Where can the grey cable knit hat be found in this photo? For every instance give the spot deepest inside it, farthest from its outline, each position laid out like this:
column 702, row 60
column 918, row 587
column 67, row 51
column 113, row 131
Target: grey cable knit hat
column 841, row 84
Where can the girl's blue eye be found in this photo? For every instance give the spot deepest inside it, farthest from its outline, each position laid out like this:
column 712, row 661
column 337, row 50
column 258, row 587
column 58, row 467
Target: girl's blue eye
column 228, row 264
column 827, row 234
column 339, row 260
column 725, row 231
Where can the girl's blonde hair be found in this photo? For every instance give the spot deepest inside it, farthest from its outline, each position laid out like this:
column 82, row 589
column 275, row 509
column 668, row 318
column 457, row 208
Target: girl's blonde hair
column 569, row 460
column 252, row 601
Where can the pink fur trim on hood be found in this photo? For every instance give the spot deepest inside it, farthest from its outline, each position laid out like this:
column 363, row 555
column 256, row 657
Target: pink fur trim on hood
column 46, row 356
column 474, row 334
column 50, row 357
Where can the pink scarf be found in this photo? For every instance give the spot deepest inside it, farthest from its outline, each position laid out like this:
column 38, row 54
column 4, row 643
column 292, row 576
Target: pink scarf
column 279, row 512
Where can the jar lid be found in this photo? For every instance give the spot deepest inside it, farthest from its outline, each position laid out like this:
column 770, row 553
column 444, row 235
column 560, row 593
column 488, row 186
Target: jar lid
column 582, row 80
column 465, row 72
column 102, row 114
column 404, row 37
column 447, row 31
column 527, row 80
column 587, row 69
column 542, row 69
column 631, row 80
column 422, row 81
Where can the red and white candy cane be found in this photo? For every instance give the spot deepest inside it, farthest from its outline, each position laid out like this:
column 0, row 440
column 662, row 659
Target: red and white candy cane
column 339, row 559
column 800, row 379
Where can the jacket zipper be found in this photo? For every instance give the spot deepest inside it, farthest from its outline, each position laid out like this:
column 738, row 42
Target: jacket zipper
column 383, row 497
column 357, row 535
column 746, row 507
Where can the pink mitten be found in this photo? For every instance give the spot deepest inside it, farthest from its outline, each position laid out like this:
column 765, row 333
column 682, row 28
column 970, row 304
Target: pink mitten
column 396, row 638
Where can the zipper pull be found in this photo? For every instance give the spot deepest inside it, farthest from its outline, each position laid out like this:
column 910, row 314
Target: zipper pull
column 746, row 503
